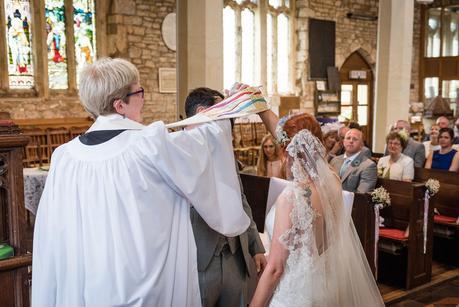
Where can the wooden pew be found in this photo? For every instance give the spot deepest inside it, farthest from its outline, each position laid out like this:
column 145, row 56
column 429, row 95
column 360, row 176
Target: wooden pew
column 401, row 259
column 363, row 216
column 405, row 265
column 446, row 231
column 256, row 190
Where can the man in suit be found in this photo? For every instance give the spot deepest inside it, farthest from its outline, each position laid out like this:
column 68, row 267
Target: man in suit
column 227, row 267
column 357, row 172
column 339, row 149
column 414, row 150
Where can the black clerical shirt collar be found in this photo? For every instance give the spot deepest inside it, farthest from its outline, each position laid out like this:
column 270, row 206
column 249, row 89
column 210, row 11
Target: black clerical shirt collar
column 107, row 127
column 99, row 136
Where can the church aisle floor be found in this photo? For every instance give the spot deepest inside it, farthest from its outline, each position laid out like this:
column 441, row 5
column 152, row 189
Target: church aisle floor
column 443, row 290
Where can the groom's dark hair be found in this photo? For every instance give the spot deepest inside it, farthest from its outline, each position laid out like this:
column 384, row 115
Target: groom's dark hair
column 201, row 96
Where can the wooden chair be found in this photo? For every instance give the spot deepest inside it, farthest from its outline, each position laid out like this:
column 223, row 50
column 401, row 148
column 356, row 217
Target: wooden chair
column 36, row 152
column 77, row 131
column 446, row 203
column 401, row 258
column 56, row 137
column 256, row 190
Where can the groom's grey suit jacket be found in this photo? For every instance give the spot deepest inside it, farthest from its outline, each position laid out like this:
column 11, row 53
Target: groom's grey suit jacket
column 208, row 239
column 360, row 176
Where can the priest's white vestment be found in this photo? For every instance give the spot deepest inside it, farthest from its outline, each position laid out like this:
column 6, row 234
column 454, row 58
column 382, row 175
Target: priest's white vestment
column 113, row 225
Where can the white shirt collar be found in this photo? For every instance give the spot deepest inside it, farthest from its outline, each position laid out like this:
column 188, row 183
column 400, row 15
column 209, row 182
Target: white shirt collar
column 114, row 122
column 351, row 158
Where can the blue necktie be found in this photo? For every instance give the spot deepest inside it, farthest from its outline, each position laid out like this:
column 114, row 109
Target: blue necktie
column 344, row 167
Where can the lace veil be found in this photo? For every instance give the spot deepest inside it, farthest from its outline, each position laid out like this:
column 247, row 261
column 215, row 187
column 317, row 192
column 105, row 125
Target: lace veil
column 325, row 263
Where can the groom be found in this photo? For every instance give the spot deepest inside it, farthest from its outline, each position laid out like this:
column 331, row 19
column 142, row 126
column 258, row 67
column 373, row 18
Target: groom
column 227, row 266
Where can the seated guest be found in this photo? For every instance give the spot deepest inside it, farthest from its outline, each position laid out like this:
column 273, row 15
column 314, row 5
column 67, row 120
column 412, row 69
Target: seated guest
column 396, row 166
column 338, row 148
column 270, row 158
column 356, row 170
column 456, row 132
column 442, row 122
column 432, row 144
column 331, row 139
column 456, row 128
column 413, row 149
column 446, row 158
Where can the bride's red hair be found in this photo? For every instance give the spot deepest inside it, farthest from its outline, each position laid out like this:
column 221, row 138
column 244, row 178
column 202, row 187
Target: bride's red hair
column 303, row 121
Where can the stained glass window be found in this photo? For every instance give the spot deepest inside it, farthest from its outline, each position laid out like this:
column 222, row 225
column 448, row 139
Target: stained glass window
column 19, row 44
column 85, row 33
column 57, row 44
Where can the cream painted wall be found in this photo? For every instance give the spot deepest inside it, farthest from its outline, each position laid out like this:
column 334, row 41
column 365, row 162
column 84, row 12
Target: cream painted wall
column 200, row 56
column 393, row 67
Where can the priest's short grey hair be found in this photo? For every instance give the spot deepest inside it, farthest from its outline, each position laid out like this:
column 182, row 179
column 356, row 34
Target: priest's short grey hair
column 105, row 81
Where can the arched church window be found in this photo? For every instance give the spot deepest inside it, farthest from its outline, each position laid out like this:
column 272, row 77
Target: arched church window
column 257, row 43
column 47, row 44
column 229, row 43
column 280, row 46
column 248, row 46
column 283, row 50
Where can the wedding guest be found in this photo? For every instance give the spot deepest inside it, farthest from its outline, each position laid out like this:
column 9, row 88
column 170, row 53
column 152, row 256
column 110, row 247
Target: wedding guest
column 332, row 139
column 270, row 158
column 446, row 158
column 356, row 170
column 339, row 149
column 442, row 122
column 456, row 128
column 432, row 144
column 396, row 166
column 456, row 131
column 413, row 149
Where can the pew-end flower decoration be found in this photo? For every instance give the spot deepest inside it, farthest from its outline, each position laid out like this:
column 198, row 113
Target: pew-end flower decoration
column 432, row 186
column 381, row 197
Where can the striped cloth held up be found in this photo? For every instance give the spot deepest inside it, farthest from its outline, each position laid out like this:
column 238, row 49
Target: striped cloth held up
column 245, row 102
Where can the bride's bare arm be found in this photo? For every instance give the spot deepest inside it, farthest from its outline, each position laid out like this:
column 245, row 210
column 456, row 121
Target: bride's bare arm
column 277, row 256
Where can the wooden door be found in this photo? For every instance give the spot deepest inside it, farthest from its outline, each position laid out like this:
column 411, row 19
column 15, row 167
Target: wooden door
column 357, row 94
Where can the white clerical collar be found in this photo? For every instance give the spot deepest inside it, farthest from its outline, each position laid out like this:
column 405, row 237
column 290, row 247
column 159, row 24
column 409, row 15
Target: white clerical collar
column 351, row 158
column 114, row 122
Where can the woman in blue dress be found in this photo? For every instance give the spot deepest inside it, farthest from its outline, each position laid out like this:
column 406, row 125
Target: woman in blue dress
column 446, row 158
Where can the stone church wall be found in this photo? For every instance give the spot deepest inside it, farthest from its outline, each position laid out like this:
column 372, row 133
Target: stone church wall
column 351, row 35
column 134, row 33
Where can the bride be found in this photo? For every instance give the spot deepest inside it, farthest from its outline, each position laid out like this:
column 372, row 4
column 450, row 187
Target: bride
column 316, row 258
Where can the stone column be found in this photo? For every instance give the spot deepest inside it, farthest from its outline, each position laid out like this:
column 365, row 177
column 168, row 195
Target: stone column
column 199, row 47
column 393, row 66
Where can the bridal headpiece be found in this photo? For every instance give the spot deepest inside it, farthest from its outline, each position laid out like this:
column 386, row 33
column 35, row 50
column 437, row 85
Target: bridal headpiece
column 306, row 150
column 281, row 136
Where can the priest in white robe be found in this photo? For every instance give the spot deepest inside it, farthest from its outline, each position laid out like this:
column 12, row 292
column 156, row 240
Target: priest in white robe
column 113, row 226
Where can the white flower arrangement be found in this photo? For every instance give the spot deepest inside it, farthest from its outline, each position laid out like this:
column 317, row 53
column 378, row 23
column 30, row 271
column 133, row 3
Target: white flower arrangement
column 380, row 196
column 433, row 186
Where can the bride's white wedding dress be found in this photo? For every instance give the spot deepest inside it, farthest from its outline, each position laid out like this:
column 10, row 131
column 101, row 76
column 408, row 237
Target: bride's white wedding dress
column 325, row 264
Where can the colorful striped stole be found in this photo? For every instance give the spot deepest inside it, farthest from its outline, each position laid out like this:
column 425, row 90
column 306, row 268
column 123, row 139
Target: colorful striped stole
column 242, row 103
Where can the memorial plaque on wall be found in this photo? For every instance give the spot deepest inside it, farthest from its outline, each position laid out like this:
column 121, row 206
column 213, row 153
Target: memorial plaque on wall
column 321, row 47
